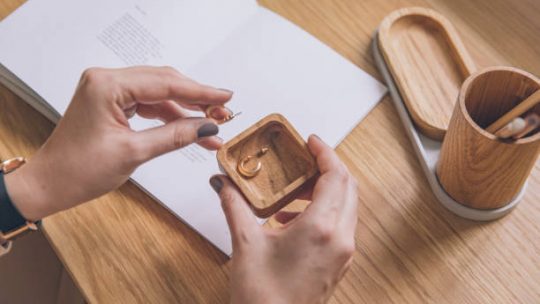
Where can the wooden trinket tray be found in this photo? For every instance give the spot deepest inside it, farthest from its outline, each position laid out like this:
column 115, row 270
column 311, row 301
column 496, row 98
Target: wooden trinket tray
column 428, row 63
column 286, row 164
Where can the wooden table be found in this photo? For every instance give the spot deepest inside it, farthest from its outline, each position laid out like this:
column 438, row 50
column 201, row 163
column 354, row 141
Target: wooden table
column 125, row 248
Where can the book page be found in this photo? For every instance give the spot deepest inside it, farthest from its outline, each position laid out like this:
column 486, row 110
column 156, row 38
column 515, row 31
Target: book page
column 51, row 42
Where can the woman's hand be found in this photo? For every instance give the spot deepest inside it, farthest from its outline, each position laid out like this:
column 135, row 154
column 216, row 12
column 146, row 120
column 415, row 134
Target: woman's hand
column 93, row 150
column 303, row 261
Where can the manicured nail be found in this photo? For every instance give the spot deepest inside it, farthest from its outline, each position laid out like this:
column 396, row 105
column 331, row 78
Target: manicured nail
column 216, row 183
column 225, row 90
column 208, row 129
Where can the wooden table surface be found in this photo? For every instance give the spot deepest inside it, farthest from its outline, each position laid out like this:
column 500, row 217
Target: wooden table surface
column 125, row 248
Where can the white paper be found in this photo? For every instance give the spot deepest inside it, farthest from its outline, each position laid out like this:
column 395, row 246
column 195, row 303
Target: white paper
column 270, row 64
column 48, row 43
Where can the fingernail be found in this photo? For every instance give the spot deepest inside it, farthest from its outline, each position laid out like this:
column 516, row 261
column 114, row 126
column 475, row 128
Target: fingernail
column 208, row 129
column 225, row 90
column 216, row 183
column 316, row 136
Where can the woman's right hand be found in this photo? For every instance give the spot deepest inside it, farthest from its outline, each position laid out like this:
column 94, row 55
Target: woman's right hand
column 94, row 150
column 303, row 261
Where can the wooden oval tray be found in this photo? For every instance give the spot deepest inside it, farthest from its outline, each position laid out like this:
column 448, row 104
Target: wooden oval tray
column 428, row 62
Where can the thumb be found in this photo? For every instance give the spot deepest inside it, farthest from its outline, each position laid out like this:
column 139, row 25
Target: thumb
column 174, row 135
column 242, row 223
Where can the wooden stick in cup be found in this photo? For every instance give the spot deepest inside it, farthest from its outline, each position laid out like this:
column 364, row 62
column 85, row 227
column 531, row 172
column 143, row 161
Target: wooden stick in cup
column 521, row 108
column 517, row 125
column 532, row 122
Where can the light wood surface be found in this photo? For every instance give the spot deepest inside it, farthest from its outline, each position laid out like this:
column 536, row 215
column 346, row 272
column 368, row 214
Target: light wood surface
column 476, row 168
column 125, row 248
column 286, row 166
column 428, row 62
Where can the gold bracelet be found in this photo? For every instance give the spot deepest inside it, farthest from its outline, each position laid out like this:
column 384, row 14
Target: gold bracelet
column 6, row 238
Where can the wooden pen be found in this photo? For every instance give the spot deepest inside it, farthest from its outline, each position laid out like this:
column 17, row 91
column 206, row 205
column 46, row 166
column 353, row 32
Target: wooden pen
column 518, row 110
column 517, row 125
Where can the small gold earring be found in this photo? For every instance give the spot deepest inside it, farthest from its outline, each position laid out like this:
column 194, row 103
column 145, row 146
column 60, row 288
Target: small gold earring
column 211, row 113
column 248, row 173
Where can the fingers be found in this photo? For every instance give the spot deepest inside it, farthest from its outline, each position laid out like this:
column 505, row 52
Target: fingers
column 149, row 86
column 333, row 182
column 327, row 159
column 306, row 193
column 172, row 136
column 169, row 111
column 348, row 217
column 334, row 196
column 242, row 222
column 211, row 143
column 165, row 111
column 155, row 84
column 284, row 217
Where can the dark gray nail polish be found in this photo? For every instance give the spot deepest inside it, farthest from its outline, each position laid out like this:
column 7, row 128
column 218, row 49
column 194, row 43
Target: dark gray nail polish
column 208, row 129
column 216, row 183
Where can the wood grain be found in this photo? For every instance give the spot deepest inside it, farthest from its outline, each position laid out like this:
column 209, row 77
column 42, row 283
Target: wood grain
column 286, row 167
column 428, row 63
column 125, row 248
column 475, row 167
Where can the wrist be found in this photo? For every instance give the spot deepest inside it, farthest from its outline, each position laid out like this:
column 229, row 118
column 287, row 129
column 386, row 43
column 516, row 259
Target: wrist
column 27, row 192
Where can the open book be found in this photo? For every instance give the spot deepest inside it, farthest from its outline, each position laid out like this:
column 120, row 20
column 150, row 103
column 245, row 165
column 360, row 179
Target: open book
column 270, row 64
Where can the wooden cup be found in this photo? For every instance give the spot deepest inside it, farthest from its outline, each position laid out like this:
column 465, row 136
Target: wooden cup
column 475, row 167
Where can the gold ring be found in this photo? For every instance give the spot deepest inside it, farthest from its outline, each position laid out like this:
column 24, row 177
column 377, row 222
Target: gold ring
column 211, row 111
column 249, row 173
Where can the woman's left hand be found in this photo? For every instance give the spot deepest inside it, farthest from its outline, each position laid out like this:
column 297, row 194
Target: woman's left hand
column 93, row 150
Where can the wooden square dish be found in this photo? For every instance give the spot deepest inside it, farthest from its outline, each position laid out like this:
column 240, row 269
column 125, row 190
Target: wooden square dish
column 286, row 164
